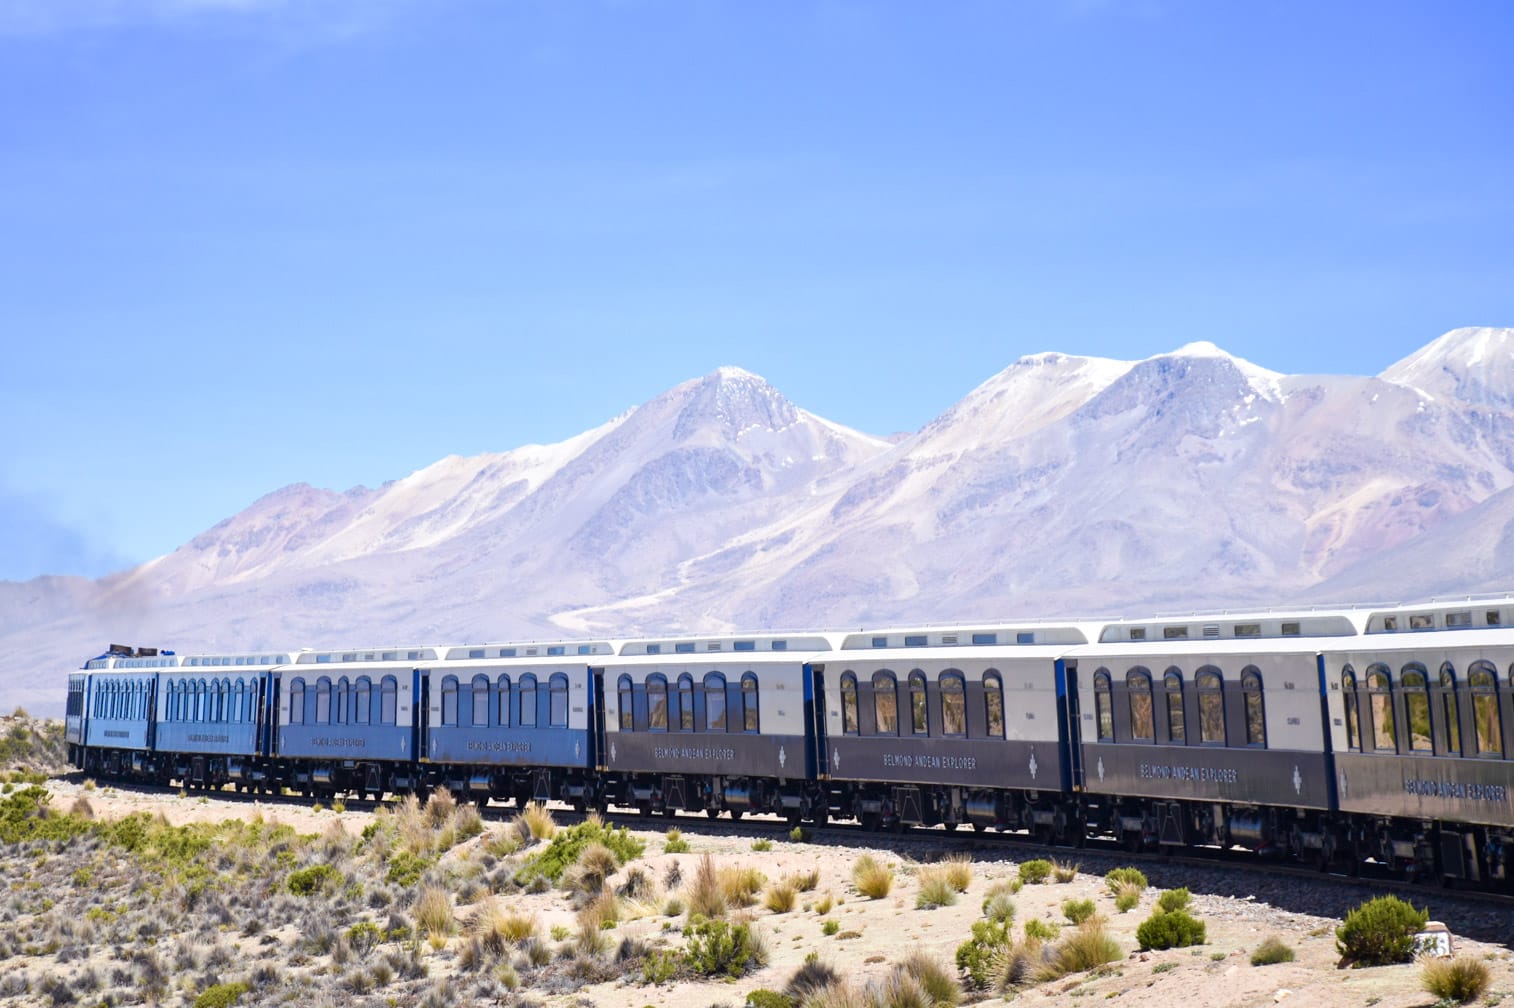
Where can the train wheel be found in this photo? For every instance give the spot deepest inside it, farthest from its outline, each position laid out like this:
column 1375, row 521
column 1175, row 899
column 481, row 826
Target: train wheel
column 979, row 827
column 713, row 813
column 871, row 821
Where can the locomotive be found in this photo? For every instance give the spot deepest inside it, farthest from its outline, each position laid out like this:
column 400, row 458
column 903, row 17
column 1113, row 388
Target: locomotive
column 1331, row 736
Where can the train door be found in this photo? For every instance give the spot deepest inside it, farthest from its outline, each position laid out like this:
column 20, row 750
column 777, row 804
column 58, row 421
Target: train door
column 1070, row 730
column 421, row 716
column 819, row 760
column 597, row 718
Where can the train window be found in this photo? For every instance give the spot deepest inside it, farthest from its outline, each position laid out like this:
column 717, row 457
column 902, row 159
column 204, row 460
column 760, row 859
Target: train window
column 685, row 702
column 322, row 700
column 1248, row 629
column 1450, row 709
column 1137, row 633
column 745, row 645
column 919, row 725
column 1256, row 711
column 480, row 693
column 1174, row 633
column 624, row 697
column 1494, row 617
column 993, row 703
column 1210, row 686
column 685, row 648
column 985, row 638
column 714, row 702
column 1390, row 622
column 1103, row 706
column 849, row 704
column 1482, row 680
column 885, row 703
column 1172, row 683
column 1348, row 693
column 779, row 645
column 557, row 701
column 657, row 702
column 502, row 692
column 449, row 700
column 1421, row 621
column 880, row 642
column 1142, row 720
column 953, row 704
column 1459, row 619
column 362, row 694
column 476, row 653
column 556, row 651
column 528, row 701
column 1290, row 629
column 1029, row 637
column 233, row 705
column 749, row 702
column 1380, row 708
column 1414, row 681
column 654, row 649
column 389, row 700
column 343, row 700
column 914, row 640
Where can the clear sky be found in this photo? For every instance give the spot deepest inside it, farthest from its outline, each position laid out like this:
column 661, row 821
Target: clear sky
column 246, row 243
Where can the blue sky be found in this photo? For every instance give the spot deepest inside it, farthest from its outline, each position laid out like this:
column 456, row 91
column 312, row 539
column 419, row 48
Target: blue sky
column 246, row 243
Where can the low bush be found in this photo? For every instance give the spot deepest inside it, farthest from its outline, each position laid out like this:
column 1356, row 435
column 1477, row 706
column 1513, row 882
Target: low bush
column 977, row 957
column 812, row 977
column 1087, row 946
column 940, row 988
column 1077, row 911
column 1455, row 981
column 998, row 905
column 1035, row 872
column 1175, row 929
column 717, row 948
column 1125, row 876
column 221, row 995
column 314, row 879
column 959, row 871
column 1379, row 932
column 1174, row 899
column 1127, row 897
column 567, row 845
column 674, row 843
column 1040, row 930
column 1064, row 871
column 1273, row 950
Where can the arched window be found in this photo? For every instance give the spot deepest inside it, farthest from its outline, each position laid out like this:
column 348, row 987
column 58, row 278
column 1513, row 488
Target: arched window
column 557, row 708
column 1142, row 718
column 714, row 702
column 750, row 721
column 323, row 700
column 848, row 703
column 502, row 694
column 1172, row 684
column 919, row 722
column 1414, row 680
column 238, row 700
column 202, row 700
column 625, row 697
column 481, row 704
column 685, row 702
column 1256, row 711
column 362, row 700
column 1482, row 682
column 296, row 700
column 885, row 703
column 528, row 701
column 389, row 700
column 1380, row 708
column 1103, row 706
column 993, row 704
column 449, row 700
column 953, row 704
column 223, row 699
column 1210, row 686
column 343, row 700
column 1353, row 716
column 657, row 702
column 1450, row 708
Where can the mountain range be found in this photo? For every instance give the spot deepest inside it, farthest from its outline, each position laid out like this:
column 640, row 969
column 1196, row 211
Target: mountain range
column 1061, row 486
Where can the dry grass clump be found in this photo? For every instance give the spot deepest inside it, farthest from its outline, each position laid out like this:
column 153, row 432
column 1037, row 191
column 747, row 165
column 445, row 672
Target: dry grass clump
column 1065, row 871
column 510, row 927
column 1455, row 981
column 780, row 897
column 740, row 886
column 872, row 878
column 998, row 903
column 1085, row 947
column 936, row 889
column 918, row 981
column 599, row 913
column 589, row 874
column 805, row 881
column 535, row 822
column 433, row 912
column 703, row 895
column 959, row 871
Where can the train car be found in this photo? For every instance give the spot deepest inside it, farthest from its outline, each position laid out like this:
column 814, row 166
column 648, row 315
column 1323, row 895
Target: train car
column 210, row 720
column 716, row 724
column 120, row 689
column 1422, row 721
column 1209, row 730
column 348, row 722
column 73, row 713
column 515, row 721
column 950, row 726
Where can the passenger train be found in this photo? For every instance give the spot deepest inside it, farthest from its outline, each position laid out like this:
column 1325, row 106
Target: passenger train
column 1331, row 736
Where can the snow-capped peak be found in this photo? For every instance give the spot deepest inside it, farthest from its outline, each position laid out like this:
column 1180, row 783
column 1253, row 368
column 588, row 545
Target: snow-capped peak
column 1473, row 364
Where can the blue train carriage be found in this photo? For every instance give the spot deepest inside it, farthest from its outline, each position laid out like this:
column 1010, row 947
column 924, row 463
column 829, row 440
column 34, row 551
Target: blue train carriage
column 717, row 724
column 949, row 726
column 1422, row 722
column 514, row 721
column 348, row 722
column 1208, row 730
column 115, row 728
column 210, row 720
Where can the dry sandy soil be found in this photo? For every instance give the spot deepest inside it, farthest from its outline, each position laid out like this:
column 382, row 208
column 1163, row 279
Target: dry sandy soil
column 874, row 933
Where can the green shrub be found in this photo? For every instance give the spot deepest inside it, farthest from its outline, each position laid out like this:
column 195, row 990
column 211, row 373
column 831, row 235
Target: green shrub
column 1040, row 930
column 568, row 844
column 998, row 905
column 1174, row 899
column 311, row 880
column 406, row 868
column 1455, row 981
column 221, row 995
column 674, row 843
column 764, row 998
column 762, row 844
column 1177, row 929
column 936, row 889
column 1379, row 932
column 830, row 927
column 976, row 956
column 1273, row 950
column 1127, row 897
column 659, row 967
column 717, row 948
column 1077, row 911
column 1035, row 872
column 1125, row 876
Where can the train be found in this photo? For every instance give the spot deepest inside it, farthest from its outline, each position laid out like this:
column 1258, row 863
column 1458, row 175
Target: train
column 1337, row 737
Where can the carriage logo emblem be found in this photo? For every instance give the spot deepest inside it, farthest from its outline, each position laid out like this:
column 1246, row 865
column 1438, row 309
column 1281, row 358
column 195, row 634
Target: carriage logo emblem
column 1032, row 764
column 612, row 752
column 577, row 750
column 782, row 759
column 1101, row 768
column 835, row 759
column 1298, row 781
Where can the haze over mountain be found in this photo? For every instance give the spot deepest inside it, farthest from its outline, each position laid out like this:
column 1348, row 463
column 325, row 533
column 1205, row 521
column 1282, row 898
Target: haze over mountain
column 1060, row 486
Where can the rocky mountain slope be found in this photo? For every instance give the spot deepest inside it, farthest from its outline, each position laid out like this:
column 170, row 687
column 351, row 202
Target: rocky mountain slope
column 1061, row 485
